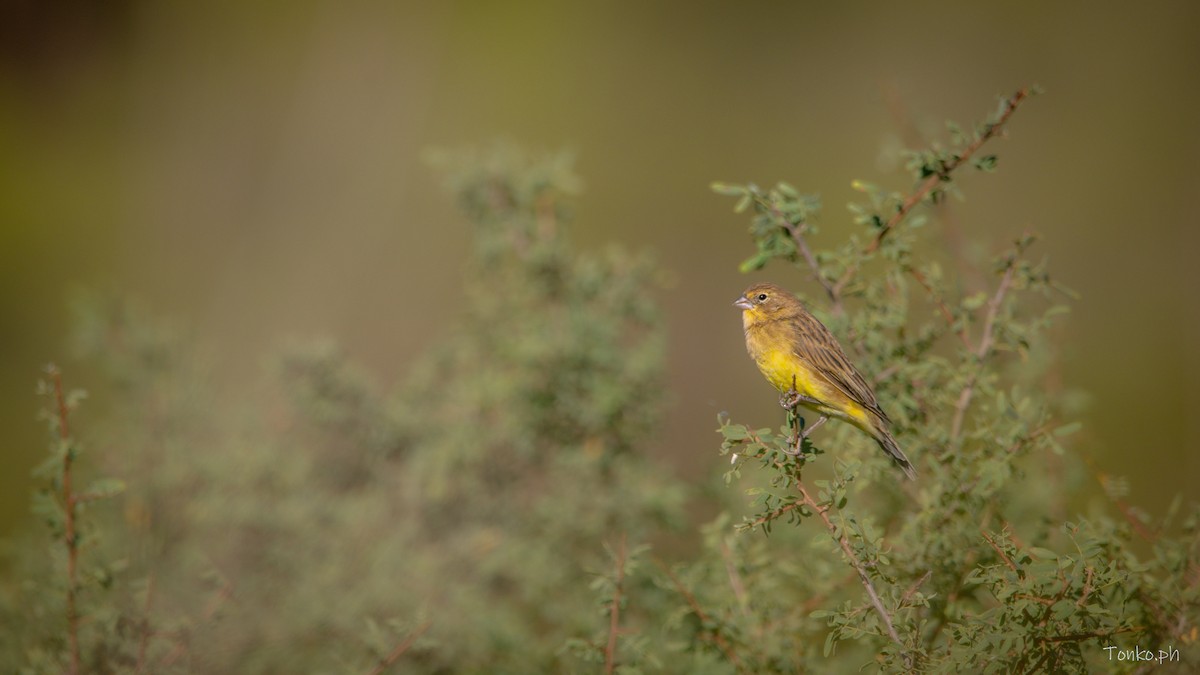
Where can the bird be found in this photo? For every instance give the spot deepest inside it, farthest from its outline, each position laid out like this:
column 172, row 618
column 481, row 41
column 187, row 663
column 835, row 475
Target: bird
column 803, row 360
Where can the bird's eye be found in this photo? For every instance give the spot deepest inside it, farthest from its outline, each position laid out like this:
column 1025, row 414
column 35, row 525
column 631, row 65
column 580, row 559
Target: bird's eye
column 762, row 296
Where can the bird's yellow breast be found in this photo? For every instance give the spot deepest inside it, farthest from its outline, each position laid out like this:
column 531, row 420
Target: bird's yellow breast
column 770, row 347
column 782, row 366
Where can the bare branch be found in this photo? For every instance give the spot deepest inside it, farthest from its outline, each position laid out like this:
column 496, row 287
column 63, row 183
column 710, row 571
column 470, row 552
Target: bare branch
column 797, row 234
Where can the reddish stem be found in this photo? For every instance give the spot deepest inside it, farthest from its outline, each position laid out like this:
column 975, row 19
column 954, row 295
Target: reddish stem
column 69, row 503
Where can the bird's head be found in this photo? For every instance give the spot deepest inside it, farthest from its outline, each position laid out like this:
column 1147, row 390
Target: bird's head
column 765, row 302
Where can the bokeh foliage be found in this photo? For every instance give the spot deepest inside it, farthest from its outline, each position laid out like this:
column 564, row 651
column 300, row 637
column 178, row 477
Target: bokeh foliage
column 315, row 523
column 501, row 511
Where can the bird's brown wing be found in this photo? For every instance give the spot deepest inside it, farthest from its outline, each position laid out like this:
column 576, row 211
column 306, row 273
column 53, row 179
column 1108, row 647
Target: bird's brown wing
column 817, row 346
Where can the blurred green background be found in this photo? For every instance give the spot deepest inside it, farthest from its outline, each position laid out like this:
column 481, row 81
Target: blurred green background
column 255, row 169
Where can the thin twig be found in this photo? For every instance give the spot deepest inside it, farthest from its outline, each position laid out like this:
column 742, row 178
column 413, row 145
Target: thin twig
column 989, row 322
column 797, row 235
column 222, row 594
column 144, row 640
column 808, row 501
column 69, row 503
column 614, row 613
column 713, row 634
column 912, row 590
column 996, row 547
column 989, row 131
column 914, row 138
column 1016, row 538
column 961, row 331
column 1079, row 637
column 1087, row 588
column 886, row 373
column 1126, row 510
column 400, row 649
column 1048, row 602
column 772, row 515
column 981, row 352
column 735, row 579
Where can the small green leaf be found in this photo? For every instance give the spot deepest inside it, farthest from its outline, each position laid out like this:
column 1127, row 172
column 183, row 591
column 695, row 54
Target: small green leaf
column 986, row 162
column 103, row 489
column 753, row 264
column 1043, row 553
column 735, row 432
column 1068, row 429
column 974, row 301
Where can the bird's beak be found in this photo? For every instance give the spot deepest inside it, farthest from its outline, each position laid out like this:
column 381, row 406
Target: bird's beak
column 744, row 303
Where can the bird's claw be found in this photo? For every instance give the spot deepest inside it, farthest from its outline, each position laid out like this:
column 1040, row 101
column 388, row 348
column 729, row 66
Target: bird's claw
column 792, row 398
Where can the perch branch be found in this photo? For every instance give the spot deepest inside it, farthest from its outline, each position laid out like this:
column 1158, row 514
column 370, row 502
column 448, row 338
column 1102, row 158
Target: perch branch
column 808, row 501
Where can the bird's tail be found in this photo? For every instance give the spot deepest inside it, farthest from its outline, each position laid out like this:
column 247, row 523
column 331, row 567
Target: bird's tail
column 888, row 442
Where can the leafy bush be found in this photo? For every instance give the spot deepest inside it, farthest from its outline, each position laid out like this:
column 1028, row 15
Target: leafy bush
column 500, row 512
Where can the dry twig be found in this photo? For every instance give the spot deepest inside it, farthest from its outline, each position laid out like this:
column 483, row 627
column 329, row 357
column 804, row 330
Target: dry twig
column 614, row 613
column 400, row 649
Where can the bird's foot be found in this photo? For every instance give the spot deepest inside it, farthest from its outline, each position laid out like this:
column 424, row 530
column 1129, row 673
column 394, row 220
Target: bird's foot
column 820, row 420
column 802, row 433
column 792, row 398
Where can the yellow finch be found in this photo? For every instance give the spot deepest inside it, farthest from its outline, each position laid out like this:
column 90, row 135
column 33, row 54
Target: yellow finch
column 799, row 355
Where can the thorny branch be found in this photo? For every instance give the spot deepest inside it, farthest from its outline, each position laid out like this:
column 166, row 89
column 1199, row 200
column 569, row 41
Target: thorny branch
column 926, row 186
column 913, row 137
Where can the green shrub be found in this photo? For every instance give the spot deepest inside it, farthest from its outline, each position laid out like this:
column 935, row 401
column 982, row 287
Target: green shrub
column 500, row 511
